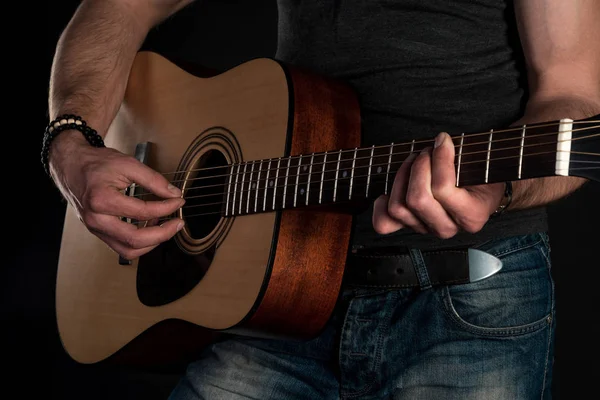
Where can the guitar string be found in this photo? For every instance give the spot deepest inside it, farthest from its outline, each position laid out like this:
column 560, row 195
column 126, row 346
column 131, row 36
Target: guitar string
column 243, row 192
column 425, row 141
column 186, row 217
column 294, row 175
column 308, row 156
column 318, row 181
column 360, row 185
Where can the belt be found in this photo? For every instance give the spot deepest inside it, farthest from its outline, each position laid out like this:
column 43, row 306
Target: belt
column 433, row 268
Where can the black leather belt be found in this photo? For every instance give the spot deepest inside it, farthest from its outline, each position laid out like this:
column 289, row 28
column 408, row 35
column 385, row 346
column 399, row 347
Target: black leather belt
column 371, row 269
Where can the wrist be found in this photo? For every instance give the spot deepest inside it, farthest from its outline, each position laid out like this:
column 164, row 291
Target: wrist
column 60, row 138
column 65, row 144
column 505, row 200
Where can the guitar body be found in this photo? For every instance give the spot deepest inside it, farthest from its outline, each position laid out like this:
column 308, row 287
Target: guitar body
column 275, row 274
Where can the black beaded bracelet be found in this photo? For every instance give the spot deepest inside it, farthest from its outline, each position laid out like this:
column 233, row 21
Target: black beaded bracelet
column 63, row 123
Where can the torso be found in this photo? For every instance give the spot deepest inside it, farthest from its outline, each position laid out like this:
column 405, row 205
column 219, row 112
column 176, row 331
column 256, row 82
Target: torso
column 419, row 67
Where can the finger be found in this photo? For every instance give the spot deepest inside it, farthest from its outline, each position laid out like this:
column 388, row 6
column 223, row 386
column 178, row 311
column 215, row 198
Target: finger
column 398, row 192
column 396, row 206
column 150, row 179
column 122, row 250
column 421, row 202
column 382, row 222
column 132, row 237
column 112, row 202
column 468, row 207
column 456, row 201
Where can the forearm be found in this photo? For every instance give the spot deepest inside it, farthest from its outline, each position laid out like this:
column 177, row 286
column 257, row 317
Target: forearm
column 542, row 191
column 92, row 60
column 561, row 47
column 94, row 56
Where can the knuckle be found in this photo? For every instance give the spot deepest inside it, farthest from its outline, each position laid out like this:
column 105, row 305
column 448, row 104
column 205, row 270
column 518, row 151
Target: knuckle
column 381, row 227
column 89, row 220
column 439, row 191
column 132, row 242
column 447, row 233
column 417, row 202
column 94, row 201
column 398, row 211
column 473, row 226
column 143, row 212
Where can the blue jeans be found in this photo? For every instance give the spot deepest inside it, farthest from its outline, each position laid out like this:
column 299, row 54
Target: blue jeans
column 488, row 340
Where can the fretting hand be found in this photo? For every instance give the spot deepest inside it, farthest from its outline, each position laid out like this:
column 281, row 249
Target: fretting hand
column 91, row 180
column 424, row 196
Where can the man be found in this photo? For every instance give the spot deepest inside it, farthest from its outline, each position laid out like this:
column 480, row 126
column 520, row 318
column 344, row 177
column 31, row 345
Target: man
column 420, row 68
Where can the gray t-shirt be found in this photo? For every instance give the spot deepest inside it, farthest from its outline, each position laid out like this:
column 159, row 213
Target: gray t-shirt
column 419, row 67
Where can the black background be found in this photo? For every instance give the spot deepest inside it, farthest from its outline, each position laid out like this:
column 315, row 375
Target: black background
column 221, row 34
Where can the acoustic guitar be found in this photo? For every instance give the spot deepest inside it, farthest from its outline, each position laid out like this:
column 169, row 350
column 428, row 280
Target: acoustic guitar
column 269, row 160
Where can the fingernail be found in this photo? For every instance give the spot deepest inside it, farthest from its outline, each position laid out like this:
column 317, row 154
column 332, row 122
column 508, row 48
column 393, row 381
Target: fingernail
column 174, row 190
column 439, row 139
column 180, row 226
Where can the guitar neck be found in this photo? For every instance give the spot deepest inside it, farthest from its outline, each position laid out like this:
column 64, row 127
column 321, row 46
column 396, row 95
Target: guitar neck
column 348, row 175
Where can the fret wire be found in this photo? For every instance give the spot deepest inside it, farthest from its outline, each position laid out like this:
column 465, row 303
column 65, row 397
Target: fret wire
column 287, row 171
column 297, row 178
column 267, row 186
column 257, row 186
column 369, row 171
column 387, row 175
column 487, row 163
column 462, row 138
column 228, row 193
column 241, row 195
column 249, row 189
column 237, row 175
column 312, row 157
column 337, row 171
column 322, row 178
column 412, row 147
column 521, row 149
column 352, row 173
column 275, row 184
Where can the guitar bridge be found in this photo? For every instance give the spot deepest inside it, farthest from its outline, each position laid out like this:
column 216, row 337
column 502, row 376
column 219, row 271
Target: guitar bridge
column 141, row 154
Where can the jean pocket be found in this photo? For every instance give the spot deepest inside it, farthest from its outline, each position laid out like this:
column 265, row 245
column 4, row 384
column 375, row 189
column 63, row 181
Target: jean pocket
column 518, row 299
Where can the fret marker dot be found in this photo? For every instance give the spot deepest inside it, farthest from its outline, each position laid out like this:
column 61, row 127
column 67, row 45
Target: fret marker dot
column 379, row 170
column 254, row 186
column 271, row 183
column 344, row 174
column 302, row 192
column 305, row 168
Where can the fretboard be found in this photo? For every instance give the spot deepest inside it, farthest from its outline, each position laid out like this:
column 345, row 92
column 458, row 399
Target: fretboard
column 347, row 175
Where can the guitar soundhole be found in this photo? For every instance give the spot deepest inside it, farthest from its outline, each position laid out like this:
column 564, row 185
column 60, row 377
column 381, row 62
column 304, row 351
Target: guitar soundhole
column 175, row 267
column 204, row 194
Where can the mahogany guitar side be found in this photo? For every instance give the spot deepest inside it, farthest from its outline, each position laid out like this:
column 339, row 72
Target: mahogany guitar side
column 270, row 274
